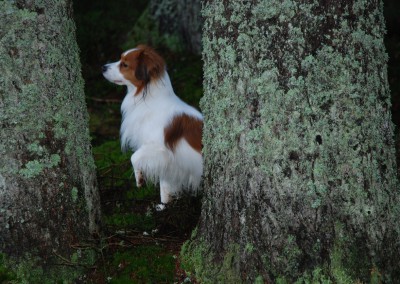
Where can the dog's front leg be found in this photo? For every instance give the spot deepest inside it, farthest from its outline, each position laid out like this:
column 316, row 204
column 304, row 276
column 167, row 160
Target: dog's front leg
column 139, row 178
column 137, row 170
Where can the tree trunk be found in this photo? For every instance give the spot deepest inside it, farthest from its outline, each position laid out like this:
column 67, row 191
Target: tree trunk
column 300, row 172
column 48, row 195
column 180, row 18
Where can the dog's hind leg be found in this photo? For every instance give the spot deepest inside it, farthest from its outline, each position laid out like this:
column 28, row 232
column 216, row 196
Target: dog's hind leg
column 166, row 194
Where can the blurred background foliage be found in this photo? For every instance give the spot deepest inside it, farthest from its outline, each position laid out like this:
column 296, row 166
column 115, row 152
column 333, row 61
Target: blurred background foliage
column 106, row 28
column 136, row 233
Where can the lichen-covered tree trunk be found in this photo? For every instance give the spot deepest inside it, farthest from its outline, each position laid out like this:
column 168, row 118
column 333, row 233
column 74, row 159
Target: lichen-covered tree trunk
column 300, row 174
column 49, row 202
column 180, row 18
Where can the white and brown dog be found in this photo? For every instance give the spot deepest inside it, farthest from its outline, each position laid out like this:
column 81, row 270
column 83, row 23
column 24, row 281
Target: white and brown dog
column 164, row 132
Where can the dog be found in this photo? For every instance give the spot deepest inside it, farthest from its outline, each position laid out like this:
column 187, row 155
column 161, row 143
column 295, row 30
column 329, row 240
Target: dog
column 163, row 131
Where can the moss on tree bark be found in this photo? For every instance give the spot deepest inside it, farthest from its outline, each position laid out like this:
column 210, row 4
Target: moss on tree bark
column 300, row 172
column 48, row 196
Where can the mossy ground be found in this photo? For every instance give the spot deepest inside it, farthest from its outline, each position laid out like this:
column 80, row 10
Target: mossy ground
column 5, row 274
column 139, row 244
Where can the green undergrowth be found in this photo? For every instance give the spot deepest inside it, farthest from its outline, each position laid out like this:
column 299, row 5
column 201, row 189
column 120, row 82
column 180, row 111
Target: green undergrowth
column 131, row 220
column 129, row 256
column 6, row 275
column 144, row 264
column 112, row 165
column 146, row 192
column 55, row 269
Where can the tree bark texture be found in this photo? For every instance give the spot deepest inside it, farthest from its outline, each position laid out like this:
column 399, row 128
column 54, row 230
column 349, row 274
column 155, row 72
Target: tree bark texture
column 300, row 173
column 181, row 18
column 48, row 194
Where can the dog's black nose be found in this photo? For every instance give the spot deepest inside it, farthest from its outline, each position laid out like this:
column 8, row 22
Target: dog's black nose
column 104, row 68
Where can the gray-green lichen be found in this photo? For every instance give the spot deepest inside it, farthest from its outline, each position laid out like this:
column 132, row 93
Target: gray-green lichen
column 35, row 167
column 298, row 138
column 46, row 165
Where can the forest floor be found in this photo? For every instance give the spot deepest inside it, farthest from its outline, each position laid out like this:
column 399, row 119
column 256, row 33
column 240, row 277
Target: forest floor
column 139, row 244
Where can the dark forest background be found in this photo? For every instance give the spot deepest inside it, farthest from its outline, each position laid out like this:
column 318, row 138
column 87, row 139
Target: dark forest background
column 135, row 233
column 140, row 244
column 392, row 42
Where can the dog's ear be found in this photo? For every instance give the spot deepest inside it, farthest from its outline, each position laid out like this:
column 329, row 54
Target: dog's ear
column 141, row 71
column 149, row 66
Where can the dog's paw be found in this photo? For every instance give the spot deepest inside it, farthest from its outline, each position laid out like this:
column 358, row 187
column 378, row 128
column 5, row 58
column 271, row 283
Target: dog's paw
column 161, row 207
column 140, row 180
column 140, row 183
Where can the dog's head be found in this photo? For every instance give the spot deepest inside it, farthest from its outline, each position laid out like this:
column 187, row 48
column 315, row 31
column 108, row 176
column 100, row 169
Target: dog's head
column 137, row 67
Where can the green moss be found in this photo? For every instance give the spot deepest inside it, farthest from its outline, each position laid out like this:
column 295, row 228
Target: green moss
column 144, row 264
column 347, row 262
column 148, row 191
column 197, row 259
column 349, row 259
column 228, row 272
column 193, row 259
column 6, row 275
column 132, row 221
column 29, row 269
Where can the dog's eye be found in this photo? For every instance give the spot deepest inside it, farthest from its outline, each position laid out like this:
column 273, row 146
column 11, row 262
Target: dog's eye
column 123, row 64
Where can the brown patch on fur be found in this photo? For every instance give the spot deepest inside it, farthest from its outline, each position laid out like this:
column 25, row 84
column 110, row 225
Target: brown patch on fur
column 184, row 127
column 141, row 66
